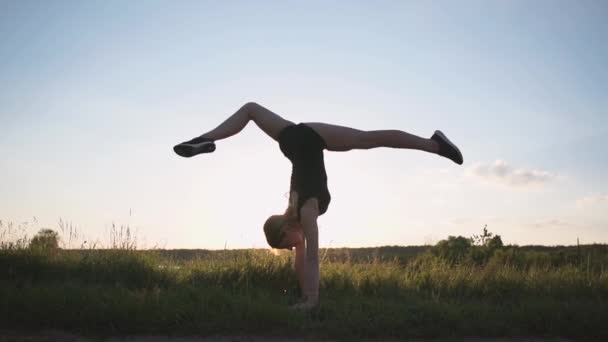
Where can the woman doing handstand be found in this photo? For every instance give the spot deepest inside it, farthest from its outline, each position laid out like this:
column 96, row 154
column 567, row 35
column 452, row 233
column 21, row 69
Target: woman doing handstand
column 303, row 145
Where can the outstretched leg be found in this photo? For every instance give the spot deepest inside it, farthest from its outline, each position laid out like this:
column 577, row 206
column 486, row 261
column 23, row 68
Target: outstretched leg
column 340, row 138
column 265, row 119
column 269, row 122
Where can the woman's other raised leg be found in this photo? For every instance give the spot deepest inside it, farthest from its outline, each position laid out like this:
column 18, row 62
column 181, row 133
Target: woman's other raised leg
column 340, row 138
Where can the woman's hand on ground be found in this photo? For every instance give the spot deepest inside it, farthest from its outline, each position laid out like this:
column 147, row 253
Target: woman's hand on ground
column 305, row 306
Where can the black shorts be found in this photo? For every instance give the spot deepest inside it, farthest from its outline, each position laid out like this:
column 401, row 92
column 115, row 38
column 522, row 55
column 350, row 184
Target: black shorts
column 303, row 146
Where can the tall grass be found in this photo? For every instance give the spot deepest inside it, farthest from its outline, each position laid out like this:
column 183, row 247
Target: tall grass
column 390, row 292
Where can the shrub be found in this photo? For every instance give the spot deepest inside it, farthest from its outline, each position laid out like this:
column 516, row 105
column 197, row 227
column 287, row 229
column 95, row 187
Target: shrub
column 46, row 239
column 453, row 250
column 477, row 249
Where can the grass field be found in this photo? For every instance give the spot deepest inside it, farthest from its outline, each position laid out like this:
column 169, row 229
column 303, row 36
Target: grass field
column 388, row 292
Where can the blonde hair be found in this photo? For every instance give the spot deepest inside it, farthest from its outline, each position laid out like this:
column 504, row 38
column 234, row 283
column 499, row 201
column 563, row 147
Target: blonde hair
column 274, row 230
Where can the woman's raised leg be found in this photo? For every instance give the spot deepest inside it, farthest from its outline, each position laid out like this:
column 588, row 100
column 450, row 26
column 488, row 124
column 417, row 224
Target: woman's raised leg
column 340, row 138
column 269, row 122
column 265, row 119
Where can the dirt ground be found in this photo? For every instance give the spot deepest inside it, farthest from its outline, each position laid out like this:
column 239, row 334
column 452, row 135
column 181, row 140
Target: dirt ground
column 51, row 336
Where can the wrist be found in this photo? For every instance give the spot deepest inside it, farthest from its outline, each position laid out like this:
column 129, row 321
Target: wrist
column 311, row 297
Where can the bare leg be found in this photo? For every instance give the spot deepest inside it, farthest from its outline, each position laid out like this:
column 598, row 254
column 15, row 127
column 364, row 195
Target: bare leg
column 267, row 121
column 340, row 138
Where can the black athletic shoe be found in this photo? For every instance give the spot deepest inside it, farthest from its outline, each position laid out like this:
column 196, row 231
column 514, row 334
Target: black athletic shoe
column 195, row 146
column 447, row 148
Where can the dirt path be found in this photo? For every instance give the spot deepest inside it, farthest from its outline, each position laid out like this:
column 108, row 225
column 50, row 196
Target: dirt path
column 52, row 335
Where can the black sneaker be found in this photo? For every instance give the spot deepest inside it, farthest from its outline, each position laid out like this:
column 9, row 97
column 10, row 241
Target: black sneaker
column 195, row 146
column 447, row 148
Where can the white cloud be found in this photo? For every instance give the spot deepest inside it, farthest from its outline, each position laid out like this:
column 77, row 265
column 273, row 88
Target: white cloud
column 503, row 173
column 592, row 200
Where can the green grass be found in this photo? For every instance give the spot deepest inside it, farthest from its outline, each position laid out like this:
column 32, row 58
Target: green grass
column 396, row 292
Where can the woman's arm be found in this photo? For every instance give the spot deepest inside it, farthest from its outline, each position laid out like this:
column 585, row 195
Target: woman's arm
column 309, row 214
column 300, row 265
column 300, row 262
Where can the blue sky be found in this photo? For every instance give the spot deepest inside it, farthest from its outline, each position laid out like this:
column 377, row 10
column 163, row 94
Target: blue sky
column 94, row 94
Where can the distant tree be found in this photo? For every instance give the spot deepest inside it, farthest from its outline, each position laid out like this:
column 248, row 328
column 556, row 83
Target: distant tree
column 484, row 246
column 478, row 249
column 46, row 239
column 481, row 240
column 494, row 243
column 454, row 249
column 487, row 239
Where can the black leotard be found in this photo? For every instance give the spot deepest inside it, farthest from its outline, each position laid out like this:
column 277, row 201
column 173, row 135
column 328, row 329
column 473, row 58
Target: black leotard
column 303, row 146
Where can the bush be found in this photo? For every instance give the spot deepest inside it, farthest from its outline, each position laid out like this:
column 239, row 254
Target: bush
column 453, row 250
column 495, row 243
column 477, row 249
column 46, row 239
